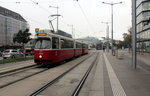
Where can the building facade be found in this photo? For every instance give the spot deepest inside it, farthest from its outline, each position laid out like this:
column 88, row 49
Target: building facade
column 10, row 24
column 143, row 25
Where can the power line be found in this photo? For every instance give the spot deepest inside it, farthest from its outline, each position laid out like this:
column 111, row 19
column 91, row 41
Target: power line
column 35, row 21
column 77, row 32
column 37, row 3
column 92, row 29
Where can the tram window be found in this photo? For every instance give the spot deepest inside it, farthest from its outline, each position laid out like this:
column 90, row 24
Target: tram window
column 55, row 42
column 43, row 43
column 62, row 43
column 66, row 44
column 38, row 44
column 85, row 46
column 70, row 44
column 78, row 45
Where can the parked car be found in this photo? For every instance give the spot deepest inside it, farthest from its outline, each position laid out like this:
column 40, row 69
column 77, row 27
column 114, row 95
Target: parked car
column 12, row 53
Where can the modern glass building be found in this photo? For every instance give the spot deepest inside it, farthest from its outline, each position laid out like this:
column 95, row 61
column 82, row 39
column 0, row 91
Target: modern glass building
column 143, row 25
column 10, row 23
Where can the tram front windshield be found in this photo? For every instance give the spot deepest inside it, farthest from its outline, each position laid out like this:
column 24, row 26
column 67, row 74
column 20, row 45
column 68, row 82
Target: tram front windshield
column 43, row 43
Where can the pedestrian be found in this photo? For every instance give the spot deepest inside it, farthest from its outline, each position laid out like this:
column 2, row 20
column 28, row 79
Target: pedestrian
column 114, row 49
column 103, row 49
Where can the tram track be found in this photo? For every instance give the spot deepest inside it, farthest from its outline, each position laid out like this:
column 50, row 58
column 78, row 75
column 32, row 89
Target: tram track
column 79, row 86
column 20, row 74
column 16, row 68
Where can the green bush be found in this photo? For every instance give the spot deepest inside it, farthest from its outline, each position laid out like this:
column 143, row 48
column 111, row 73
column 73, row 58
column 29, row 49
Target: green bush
column 15, row 60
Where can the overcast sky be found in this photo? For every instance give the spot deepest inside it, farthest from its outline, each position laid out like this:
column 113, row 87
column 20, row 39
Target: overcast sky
column 85, row 15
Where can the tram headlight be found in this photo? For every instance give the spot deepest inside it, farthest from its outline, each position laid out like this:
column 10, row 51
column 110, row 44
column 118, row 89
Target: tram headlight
column 40, row 56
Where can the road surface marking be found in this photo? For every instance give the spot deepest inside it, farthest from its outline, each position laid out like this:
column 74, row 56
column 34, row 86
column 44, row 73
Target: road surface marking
column 115, row 84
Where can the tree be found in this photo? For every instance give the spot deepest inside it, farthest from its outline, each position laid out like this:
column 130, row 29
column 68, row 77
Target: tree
column 22, row 37
column 127, row 39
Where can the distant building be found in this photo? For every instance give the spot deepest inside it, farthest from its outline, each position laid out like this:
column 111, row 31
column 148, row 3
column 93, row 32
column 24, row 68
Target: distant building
column 10, row 24
column 92, row 41
column 143, row 25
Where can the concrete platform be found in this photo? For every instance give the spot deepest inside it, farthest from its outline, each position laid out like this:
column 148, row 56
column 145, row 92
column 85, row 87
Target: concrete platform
column 123, row 80
column 113, row 76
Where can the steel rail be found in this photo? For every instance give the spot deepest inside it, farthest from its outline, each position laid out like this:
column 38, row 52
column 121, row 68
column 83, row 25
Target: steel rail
column 12, row 72
column 5, row 72
column 12, row 82
column 57, row 78
column 78, row 88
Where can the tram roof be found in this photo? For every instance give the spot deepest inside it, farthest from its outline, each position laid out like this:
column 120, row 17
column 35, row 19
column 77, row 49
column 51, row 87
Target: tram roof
column 48, row 33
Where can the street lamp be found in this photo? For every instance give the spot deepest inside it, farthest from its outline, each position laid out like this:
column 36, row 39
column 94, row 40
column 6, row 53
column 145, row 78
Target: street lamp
column 112, row 20
column 56, row 14
column 107, row 34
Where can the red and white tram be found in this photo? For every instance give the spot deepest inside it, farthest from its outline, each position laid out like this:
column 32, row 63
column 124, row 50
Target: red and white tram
column 51, row 48
column 84, row 48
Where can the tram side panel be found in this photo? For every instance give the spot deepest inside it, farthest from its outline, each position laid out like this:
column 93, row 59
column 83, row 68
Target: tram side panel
column 65, row 54
column 84, row 48
column 78, row 49
column 67, row 48
column 84, row 51
column 78, row 52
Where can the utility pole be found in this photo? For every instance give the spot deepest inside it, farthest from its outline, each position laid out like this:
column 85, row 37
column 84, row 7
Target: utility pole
column 112, row 4
column 57, row 18
column 134, row 56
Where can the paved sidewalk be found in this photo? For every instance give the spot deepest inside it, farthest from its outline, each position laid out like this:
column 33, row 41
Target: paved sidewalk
column 135, row 82
column 141, row 57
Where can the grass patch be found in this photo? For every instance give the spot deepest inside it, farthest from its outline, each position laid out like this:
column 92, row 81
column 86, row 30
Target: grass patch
column 15, row 60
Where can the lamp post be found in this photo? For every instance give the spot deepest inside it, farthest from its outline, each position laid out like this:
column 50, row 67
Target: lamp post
column 112, row 4
column 107, row 34
column 56, row 15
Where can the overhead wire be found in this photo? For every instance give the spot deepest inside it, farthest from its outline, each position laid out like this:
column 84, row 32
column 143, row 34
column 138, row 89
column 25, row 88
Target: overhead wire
column 92, row 29
column 33, row 20
column 37, row 3
column 47, row 11
column 75, row 29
